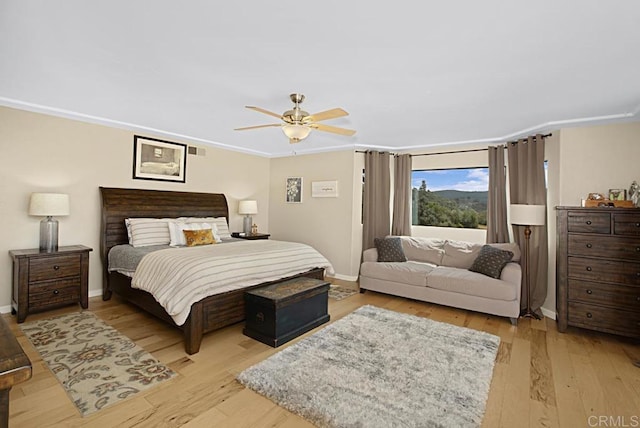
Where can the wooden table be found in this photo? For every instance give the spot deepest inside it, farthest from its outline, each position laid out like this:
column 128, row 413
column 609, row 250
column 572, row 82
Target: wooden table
column 15, row 367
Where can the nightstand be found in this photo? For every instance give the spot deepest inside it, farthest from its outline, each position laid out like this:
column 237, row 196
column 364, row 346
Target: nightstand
column 254, row 236
column 44, row 281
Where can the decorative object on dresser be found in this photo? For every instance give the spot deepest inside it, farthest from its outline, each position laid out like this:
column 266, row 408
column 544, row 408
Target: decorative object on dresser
column 48, row 205
column 598, row 269
column 380, row 368
column 96, row 365
column 15, row 367
column 247, row 208
column 527, row 216
column 44, row 281
column 285, row 310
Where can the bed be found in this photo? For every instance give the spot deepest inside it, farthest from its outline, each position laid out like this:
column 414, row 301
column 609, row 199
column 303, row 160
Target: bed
column 208, row 314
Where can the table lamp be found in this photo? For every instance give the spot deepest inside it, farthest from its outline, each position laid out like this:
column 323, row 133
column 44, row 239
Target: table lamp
column 248, row 208
column 48, row 205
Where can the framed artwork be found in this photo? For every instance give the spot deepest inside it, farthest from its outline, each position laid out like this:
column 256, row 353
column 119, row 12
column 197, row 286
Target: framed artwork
column 294, row 190
column 155, row 159
column 324, row 189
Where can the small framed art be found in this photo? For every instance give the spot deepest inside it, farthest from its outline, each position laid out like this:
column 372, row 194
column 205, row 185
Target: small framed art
column 324, row 189
column 294, row 190
column 155, row 159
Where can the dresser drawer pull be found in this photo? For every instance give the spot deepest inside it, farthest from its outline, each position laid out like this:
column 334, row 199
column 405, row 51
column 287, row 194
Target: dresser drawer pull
column 56, row 267
column 638, row 274
column 260, row 317
column 589, row 245
column 638, row 299
column 589, row 315
column 589, row 268
column 588, row 222
column 589, row 292
column 638, row 249
column 637, row 224
column 56, row 292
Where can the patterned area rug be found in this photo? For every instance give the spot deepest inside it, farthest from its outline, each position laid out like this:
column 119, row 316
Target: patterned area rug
column 96, row 365
column 379, row 368
column 338, row 293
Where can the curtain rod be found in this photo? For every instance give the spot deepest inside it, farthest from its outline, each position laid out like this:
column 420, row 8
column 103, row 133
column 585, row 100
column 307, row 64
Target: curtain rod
column 458, row 151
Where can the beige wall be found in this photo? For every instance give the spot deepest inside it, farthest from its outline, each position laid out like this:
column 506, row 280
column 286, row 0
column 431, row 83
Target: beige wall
column 44, row 153
column 327, row 224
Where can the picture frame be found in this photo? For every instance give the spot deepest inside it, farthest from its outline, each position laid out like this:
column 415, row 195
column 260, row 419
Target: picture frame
column 161, row 160
column 293, row 190
column 324, row 189
column 618, row 194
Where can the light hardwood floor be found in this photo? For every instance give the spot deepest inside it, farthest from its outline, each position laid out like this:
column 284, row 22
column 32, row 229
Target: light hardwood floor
column 542, row 378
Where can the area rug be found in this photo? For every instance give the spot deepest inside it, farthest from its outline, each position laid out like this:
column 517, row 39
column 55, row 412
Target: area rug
column 96, row 365
column 380, row 368
column 338, row 293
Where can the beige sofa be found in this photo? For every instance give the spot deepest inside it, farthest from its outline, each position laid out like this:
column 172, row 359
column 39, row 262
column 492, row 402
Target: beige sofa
column 436, row 271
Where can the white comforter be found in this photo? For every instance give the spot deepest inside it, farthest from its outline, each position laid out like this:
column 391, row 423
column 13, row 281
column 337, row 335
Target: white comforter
column 179, row 277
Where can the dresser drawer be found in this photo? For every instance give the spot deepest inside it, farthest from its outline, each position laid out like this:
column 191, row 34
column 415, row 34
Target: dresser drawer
column 610, row 247
column 53, row 293
column 616, row 296
column 53, row 267
column 589, row 222
column 626, row 224
column 618, row 272
column 599, row 318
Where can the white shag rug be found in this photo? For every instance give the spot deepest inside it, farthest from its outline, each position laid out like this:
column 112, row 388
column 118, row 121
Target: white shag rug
column 380, row 368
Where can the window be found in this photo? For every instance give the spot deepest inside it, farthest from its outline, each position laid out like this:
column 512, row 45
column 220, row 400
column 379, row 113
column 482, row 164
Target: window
column 450, row 197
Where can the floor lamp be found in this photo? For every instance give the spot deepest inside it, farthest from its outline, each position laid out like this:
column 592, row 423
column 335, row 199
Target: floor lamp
column 527, row 216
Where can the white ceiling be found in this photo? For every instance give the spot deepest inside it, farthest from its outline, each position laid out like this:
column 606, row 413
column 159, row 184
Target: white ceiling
column 411, row 74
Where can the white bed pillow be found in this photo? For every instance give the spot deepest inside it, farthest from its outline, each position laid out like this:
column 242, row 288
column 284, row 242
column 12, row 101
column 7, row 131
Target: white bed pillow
column 148, row 231
column 177, row 227
column 220, row 222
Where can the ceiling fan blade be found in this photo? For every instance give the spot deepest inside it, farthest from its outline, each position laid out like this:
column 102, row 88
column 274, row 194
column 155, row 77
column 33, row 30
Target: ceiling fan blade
column 325, row 115
column 261, row 110
column 333, row 129
column 257, row 126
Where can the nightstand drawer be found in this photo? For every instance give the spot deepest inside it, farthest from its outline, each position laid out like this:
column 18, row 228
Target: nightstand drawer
column 54, row 267
column 614, row 296
column 589, row 222
column 53, row 293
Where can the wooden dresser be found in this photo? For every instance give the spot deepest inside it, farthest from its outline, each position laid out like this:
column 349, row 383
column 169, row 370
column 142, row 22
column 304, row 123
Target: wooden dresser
column 598, row 269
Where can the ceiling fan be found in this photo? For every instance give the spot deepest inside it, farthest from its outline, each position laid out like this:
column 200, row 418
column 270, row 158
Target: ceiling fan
column 297, row 123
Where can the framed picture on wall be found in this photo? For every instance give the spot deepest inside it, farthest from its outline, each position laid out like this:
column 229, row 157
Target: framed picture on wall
column 155, row 159
column 294, row 190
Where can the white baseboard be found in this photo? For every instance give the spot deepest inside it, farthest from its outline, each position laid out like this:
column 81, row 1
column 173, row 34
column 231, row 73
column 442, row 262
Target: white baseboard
column 548, row 313
column 343, row 277
column 5, row 309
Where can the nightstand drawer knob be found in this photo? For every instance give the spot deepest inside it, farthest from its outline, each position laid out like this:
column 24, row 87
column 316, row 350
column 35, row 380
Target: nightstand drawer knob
column 637, row 224
column 589, row 222
column 589, row 268
column 638, row 299
column 56, row 267
column 638, row 249
column 56, row 292
column 638, row 274
column 589, row 315
column 260, row 317
column 589, row 245
column 589, row 292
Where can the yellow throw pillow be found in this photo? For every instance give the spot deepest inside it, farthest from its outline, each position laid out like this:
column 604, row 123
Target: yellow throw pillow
column 198, row 237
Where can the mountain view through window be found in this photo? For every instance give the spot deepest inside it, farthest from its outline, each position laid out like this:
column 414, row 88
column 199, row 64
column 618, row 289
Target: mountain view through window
column 450, row 197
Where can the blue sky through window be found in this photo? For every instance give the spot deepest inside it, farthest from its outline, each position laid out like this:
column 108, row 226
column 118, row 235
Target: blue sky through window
column 466, row 179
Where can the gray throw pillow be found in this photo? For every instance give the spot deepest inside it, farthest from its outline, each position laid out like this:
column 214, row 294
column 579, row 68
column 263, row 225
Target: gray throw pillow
column 491, row 261
column 390, row 249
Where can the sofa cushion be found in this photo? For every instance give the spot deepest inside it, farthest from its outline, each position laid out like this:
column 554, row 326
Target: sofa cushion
column 412, row 273
column 472, row 283
column 510, row 246
column 390, row 249
column 490, row 261
column 429, row 250
column 460, row 254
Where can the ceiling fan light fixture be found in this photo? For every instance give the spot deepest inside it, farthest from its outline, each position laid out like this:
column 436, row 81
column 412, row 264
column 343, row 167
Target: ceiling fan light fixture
column 296, row 132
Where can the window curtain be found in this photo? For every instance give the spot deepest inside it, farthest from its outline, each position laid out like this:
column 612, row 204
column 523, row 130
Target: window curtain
column 497, row 228
column 401, row 225
column 527, row 186
column 376, row 220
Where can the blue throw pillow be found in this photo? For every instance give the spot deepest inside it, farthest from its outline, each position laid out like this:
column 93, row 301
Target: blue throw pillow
column 390, row 249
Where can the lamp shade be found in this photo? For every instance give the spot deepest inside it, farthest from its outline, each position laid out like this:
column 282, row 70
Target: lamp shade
column 528, row 215
column 248, row 207
column 296, row 132
column 49, row 204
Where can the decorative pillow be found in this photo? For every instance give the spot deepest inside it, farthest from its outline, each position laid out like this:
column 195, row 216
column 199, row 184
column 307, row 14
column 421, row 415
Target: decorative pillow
column 198, row 237
column 220, row 222
column 148, row 231
column 491, row 261
column 177, row 237
column 390, row 249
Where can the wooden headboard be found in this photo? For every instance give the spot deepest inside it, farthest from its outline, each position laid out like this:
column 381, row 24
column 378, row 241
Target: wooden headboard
column 118, row 204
